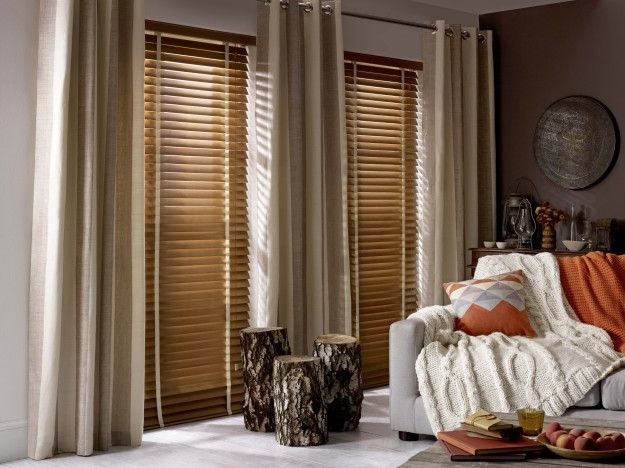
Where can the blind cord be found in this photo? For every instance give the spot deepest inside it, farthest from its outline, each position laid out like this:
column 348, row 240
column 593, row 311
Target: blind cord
column 403, row 196
column 355, row 196
column 157, row 238
column 227, row 233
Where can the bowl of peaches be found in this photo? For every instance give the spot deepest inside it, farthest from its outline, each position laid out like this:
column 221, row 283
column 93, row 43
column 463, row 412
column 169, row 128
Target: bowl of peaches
column 582, row 444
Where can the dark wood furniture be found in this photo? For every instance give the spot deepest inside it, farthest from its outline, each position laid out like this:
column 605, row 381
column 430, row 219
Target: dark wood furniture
column 436, row 455
column 477, row 253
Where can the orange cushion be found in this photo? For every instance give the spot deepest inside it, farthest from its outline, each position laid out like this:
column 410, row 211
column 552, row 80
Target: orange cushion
column 594, row 285
column 488, row 305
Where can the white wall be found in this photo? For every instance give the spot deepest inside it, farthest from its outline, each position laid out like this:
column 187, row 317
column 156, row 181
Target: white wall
column 236, row 16
column 360, row 35
column 18, row 55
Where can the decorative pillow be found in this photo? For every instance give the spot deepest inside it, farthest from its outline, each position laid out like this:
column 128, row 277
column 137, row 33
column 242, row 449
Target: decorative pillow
column 488, row 305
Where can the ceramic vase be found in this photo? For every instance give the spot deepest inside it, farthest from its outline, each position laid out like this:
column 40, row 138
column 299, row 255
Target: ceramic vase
column 548, row 240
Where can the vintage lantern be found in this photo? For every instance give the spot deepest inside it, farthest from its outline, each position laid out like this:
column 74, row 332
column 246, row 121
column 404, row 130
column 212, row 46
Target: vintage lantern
column 524, row 225
column 511, row 207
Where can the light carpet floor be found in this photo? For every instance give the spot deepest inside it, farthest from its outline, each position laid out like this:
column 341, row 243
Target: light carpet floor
column 224, row 442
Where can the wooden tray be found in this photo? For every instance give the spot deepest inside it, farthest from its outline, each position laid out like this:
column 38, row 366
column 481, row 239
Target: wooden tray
column 582, row 455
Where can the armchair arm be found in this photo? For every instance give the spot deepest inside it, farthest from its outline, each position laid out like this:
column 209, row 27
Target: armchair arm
column 405, row 344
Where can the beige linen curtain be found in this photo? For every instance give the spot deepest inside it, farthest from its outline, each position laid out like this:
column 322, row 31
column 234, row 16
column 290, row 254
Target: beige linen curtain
column 456, row 181
column 300, row 262
column 86, row 324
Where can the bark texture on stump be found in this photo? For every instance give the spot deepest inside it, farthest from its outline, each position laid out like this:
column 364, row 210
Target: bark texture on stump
column 341, row 362
column 259, row 347
column 298, row 392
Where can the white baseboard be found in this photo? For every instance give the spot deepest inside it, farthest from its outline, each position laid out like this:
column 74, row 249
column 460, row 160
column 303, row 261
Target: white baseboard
column 13, row 440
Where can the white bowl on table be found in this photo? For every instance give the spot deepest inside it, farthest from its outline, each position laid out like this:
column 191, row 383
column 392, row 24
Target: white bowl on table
column 574, row 246
column 489, row 244
column 502, row 245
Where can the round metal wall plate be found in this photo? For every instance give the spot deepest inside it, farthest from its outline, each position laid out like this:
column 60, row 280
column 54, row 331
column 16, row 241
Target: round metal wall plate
column 576, row 142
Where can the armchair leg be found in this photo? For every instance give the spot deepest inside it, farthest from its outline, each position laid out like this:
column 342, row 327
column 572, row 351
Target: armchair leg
column 408, row 436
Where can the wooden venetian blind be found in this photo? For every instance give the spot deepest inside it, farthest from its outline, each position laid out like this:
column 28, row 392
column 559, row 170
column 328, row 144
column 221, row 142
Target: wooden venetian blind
column 196, row 224
column 381, row 112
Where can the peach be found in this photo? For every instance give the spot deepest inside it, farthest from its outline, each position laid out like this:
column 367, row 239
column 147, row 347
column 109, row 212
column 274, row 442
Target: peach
column 605, row 443
column 552, row 427
column 594, row 435
column 566, row 441
column 619, row 440
column 584, row 443
column 577, row 431
column 554, row 436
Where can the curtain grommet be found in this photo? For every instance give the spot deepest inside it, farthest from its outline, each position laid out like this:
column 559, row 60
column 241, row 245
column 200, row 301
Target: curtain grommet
column 306, row 6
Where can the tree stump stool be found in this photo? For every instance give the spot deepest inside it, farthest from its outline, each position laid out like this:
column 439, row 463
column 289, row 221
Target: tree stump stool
column 341, row 362
column 259, row 347
column 298, row 393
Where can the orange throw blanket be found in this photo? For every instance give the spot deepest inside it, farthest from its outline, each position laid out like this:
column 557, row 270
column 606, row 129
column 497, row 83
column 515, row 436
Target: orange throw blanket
column 594, row 285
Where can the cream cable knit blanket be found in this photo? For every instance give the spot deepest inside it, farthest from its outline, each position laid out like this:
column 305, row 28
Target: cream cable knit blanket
column 459, row 374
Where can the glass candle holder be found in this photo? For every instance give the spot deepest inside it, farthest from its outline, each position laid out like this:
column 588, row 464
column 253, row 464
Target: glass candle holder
column 531, row 420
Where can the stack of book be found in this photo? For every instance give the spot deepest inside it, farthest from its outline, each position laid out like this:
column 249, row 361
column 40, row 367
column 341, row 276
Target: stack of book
column 484, row 437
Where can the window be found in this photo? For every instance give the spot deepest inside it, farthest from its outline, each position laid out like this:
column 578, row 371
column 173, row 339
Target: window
column 381, row 113
column 196, row 87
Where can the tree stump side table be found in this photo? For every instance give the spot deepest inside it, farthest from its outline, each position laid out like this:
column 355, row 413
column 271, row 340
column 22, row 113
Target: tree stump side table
column 298, row 392
column 341, row 361
column 259, row 347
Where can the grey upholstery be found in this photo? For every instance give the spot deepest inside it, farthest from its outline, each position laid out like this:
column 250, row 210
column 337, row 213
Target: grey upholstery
column 406, row 406
column 592, row 398
column 406, row 341
column 613, row 391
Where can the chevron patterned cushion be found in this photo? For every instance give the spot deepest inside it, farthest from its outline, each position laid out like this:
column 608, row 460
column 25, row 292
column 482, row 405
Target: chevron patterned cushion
column 488, row 305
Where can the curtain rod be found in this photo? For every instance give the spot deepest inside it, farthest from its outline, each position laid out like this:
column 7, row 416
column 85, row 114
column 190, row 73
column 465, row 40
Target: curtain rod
column 328, row 10
column 431, row 27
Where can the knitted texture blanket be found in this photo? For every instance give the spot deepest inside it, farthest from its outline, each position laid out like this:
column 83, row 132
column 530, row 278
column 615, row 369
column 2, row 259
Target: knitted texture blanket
column 459, row 374
column 594, row 285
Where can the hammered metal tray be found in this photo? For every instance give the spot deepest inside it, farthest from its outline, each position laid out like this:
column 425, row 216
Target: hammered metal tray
column 576, row 142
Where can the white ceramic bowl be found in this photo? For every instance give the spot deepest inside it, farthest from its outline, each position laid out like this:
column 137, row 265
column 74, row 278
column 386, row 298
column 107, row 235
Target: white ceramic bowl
column 502, row 245
column 574, row 246
column 489, row 244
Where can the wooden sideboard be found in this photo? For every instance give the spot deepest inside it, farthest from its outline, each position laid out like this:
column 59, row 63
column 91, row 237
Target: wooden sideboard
column 477, row 253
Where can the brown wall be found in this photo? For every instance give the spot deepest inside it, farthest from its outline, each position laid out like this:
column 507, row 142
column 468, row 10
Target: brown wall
column 543, row 54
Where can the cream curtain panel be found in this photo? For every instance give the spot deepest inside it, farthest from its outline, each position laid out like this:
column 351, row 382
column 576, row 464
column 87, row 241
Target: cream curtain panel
column 456, row 181
column 86, row 324
column 300, row 258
